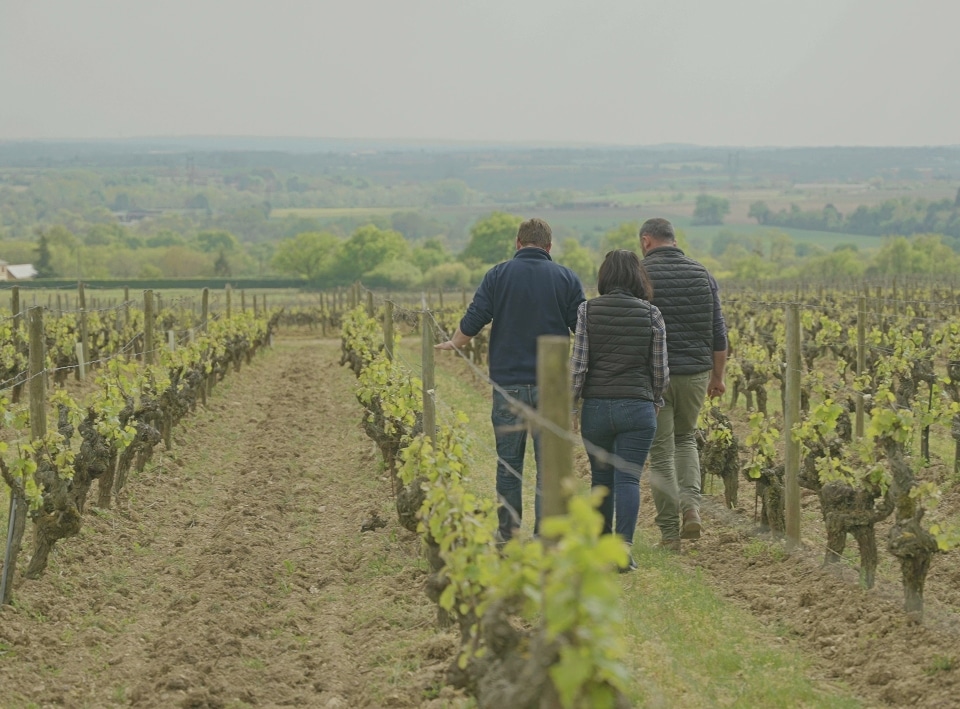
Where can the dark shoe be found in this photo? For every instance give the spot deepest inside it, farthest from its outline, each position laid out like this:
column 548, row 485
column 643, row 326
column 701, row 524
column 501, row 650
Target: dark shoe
column 669, row 545
column 691, row 525
column 631, row 566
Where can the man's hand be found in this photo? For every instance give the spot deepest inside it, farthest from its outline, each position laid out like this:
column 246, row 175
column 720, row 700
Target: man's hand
column 716, row 388
column 457, row 342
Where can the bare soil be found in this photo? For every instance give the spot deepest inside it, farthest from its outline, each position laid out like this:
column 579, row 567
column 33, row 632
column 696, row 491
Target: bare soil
column 234, row 572
column 859, row 637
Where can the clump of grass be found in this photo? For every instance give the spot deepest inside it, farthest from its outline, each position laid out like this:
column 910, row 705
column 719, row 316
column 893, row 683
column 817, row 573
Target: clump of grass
column 940, row 663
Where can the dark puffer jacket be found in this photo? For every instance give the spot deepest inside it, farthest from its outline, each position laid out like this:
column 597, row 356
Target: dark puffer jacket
column 619, row 330
column 681, row 290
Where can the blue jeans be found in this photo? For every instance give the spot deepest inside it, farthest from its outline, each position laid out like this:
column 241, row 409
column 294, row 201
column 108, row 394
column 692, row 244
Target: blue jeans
column 510, row 431
column 624, row 427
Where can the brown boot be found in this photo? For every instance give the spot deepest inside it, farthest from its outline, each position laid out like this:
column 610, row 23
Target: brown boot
column 669, row 545
column 691, row 525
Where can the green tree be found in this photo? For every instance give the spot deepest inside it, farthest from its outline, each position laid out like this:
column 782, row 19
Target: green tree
column 164, row 238
column 578, row 259
column 261, row 253
column 840, row 264
column 61, row 236
column 311, row 255
column 447, row 275
column 44, row 263
column 493, row 238
column 367, row 248
column 221, row 267
column 759, row 211
column 216, row 240
column 710, row 210
column 450, row 193
column 429, row 254
column 401, row 275
column 626, row 236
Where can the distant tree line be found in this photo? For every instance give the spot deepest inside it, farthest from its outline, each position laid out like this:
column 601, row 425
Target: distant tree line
column 904, row 216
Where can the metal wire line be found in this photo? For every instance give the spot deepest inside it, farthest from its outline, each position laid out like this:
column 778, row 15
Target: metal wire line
column 531, row 416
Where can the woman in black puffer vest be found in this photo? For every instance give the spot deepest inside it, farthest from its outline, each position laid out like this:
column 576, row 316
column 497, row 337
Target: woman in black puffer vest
column 619, row 367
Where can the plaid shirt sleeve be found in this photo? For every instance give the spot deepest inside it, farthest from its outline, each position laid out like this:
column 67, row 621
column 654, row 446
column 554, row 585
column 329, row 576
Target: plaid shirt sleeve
column 661, row 372
column 581, row 352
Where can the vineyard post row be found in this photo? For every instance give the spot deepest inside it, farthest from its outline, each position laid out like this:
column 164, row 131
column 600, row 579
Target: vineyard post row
column 38, row 429
column 553, row 381
column 36, row 375
column 569, row 651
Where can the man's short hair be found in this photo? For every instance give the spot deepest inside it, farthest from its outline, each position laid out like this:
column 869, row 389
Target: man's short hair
column 535, row 232
column 658, row 229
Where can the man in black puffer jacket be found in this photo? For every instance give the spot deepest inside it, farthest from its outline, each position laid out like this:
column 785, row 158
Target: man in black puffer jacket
column 688, row 297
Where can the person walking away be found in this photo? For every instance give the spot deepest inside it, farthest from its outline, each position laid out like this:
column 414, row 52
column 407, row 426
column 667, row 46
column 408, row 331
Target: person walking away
column 688, row 298
column 526, row 297
column 619, row 367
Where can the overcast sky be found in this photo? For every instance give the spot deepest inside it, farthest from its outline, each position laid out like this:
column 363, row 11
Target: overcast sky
column 638, row 72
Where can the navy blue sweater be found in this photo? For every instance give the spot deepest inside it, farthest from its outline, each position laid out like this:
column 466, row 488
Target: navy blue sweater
column 525, row 297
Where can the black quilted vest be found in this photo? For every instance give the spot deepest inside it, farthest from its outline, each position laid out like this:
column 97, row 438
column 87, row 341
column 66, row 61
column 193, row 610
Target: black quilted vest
column 620, row 336
column 681, row 290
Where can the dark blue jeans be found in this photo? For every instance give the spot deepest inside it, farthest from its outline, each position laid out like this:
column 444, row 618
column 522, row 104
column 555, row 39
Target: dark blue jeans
column 510, row 431
column 624, row 427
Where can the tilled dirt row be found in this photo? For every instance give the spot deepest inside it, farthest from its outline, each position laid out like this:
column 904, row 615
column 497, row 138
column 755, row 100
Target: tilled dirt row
column 861, row 638
column 233, row 572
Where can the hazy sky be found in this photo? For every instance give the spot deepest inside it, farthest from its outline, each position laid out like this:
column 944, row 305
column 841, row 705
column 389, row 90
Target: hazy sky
column 712, row 72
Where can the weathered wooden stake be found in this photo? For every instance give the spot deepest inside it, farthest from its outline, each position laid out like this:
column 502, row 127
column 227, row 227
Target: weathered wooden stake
column 792, row 417
column 148, row 316
column 556, row 450
column 17, row 519
column 861, row 358
column 427, row 375
column 82, row 352
column 388, row 328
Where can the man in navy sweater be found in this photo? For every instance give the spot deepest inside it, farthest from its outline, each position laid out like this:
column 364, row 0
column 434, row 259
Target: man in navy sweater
column 525, row 297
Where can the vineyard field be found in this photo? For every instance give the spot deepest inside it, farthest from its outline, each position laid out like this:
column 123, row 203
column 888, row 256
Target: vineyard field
column 233, row 572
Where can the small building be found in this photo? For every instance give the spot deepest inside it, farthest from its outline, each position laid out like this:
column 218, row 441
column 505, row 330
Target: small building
column 18, row 272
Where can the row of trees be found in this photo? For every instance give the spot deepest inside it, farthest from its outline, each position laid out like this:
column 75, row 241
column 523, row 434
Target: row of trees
column 773, row 254
column 903, row 216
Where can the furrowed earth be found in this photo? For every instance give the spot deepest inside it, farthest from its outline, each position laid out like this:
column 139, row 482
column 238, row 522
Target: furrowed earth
column 233, row 572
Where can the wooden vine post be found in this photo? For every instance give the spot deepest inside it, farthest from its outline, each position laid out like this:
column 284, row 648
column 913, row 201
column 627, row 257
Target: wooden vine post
column 38, row 429
column 204, row 308
column 861, row 358
column 82, row 353
column 388, row 328
column 427, row 375
column 555, row 397
column 17, row 319
column 791, row 418
column 229, row 294
column 148, row 317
